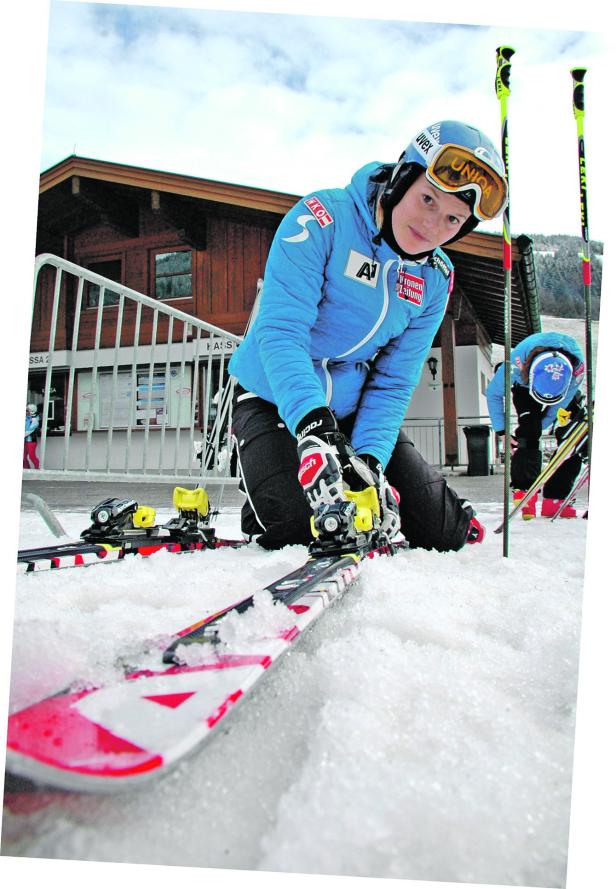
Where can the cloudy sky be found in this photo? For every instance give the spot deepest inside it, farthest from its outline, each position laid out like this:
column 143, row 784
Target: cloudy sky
column 296, row 102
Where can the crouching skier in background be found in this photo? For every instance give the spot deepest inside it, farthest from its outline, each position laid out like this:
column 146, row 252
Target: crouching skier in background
column 354, row 292
column 547, row 370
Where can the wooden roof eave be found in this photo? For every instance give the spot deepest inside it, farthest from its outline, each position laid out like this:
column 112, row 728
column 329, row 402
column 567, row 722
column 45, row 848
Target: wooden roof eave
column 190, row 186
column 483, row 244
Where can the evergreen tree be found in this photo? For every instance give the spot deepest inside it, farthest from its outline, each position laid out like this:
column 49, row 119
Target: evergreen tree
column 558, row 263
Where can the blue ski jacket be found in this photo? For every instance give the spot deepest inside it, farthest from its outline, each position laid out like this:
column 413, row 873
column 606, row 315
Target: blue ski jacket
column 495, row 392
column 343, row 321
column 32, row 424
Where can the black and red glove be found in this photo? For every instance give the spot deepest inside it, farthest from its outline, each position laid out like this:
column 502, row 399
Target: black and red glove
column 327, row 460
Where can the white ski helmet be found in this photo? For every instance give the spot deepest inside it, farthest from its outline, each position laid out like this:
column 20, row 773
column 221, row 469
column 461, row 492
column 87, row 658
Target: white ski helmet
column 549, row 377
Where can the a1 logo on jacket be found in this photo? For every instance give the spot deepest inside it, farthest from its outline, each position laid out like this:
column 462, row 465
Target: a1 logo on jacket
column 362, row 268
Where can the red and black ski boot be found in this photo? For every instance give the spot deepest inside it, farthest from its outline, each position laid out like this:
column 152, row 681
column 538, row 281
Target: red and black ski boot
column 529, row 510
column 476, row 531
column 550, row 507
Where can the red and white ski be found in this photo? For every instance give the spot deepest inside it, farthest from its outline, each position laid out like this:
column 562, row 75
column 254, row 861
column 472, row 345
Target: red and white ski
column 109, row 738
column 81, row 553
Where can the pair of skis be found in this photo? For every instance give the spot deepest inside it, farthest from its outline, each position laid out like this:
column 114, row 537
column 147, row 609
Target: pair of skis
column 576, row 438
column 121, row 527
column 115, row 736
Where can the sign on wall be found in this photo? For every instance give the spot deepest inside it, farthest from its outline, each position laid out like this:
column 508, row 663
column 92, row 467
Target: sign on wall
column 135, row 399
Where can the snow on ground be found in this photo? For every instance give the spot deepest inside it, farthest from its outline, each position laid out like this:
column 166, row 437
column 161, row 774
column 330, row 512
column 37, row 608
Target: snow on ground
column 422, row 730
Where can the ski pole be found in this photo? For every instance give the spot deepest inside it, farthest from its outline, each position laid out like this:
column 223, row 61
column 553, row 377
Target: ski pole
column 578, row 112
column 503, row 71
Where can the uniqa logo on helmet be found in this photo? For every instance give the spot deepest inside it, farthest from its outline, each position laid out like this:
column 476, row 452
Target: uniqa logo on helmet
column 471, row 175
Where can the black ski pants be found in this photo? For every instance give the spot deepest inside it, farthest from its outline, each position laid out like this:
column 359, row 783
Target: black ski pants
column 276, row 512
column 526, row 460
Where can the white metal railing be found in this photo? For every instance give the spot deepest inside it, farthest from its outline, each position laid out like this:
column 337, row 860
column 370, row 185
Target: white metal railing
column 428, row 436
column 130, row 422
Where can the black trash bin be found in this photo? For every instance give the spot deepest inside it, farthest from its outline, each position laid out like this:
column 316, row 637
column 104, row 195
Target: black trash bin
column 478, row 446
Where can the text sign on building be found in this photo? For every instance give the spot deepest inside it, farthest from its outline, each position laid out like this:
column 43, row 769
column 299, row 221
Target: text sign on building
column 216, row 345
column 39, row 359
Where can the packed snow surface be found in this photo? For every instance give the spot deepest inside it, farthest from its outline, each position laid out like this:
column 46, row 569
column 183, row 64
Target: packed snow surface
column 422, row 729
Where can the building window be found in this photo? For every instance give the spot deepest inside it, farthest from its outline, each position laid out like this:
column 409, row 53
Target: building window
column 108, row 268
column 173, row 275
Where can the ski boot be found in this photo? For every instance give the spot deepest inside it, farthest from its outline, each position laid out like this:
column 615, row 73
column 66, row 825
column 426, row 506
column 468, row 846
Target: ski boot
column 476, row 531
column 529, row 510
column 550, row 507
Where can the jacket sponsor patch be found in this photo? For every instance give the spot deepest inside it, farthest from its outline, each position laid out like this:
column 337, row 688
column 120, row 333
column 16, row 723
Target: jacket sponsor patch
column 362, row 268
column 450, row 285
column 410, row 287
column 579, row 370
column 439, row 263
column 322, row 216
column 318, row 212
column 302, row 220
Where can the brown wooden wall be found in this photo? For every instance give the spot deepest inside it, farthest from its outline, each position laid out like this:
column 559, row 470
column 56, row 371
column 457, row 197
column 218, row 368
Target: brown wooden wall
column 225, row 274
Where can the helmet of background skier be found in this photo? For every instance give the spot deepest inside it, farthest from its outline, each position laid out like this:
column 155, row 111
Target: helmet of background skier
column 549, row 377
column 458, row 159
column 31, row 410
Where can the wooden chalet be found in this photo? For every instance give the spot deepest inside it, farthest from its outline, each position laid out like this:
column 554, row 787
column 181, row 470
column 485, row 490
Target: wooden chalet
column 203, row 245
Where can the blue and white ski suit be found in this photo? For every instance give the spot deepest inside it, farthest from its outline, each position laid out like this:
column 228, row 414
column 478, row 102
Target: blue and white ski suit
column 495, row 392
column 343, row 321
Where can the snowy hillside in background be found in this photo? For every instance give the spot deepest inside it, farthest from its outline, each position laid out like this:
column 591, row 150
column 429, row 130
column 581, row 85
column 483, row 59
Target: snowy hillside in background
column 422, row 730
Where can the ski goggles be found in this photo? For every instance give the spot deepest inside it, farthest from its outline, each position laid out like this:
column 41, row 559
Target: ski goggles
column 455, row 168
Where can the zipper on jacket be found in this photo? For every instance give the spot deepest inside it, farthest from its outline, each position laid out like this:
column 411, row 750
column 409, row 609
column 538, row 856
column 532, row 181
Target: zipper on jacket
column 381, row 317
column 328, row 381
